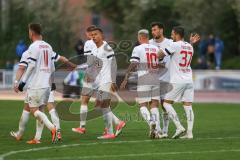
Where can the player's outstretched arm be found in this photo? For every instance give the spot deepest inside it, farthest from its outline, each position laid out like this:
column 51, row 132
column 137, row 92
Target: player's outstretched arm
column 19, row 73
column 67, row 62
column 131, row 67
column 194, row 38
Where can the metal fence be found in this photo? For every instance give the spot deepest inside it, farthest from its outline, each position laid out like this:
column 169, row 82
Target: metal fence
column 203, row 79
column 6, row 79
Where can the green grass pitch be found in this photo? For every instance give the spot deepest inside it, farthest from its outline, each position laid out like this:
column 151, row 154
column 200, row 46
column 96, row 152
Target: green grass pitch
column 216, row 137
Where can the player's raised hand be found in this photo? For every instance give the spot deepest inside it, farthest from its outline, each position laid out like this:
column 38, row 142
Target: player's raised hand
column 194, row 38
column 71, row 66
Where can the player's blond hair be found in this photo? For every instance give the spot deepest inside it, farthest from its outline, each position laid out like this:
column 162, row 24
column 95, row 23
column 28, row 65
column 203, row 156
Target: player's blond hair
column 144, row 33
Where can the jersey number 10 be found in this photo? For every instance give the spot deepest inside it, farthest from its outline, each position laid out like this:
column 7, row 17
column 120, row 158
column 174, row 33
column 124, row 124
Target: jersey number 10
column 152, row 60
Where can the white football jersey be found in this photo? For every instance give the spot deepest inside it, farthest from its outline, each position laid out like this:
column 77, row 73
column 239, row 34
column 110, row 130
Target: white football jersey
column 146, row 56
column 180, row 63
column 24, row 62
column 106, row 63
column 43, row 57
column 24, row 59
column 88, row 47
column 164, row 44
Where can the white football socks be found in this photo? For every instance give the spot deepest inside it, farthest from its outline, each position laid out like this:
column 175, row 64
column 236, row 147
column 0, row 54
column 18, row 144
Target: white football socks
column 39, row 129
column 114, row 118
column 83, row 115
column 190, row 118
column 165, row 122
column 23, row 122
column 172, row 115
column 156, row 118
column 55, row 118
column 42, row 117
column 145, row 114
column 107, row 117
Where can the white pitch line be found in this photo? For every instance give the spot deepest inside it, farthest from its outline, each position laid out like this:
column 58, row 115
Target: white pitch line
column 3, row 156
column 136, row 155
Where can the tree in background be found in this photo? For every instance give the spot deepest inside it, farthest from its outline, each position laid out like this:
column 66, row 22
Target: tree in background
column 220, row 17
column 54, row 16
column 129, row 16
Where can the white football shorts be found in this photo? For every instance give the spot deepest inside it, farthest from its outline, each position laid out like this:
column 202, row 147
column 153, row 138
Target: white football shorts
column 147, row 93
column 104, row 92
column 181, row 92
column 37, row 97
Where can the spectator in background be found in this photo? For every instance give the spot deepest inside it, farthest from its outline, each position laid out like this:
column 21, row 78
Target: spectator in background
column 211, row 50
column 20, row 48
column 219, row 47
column 202, row 49
column 9, row 65
column 201, row 64
column 71, row 85
column 72, row 79
column 79, row 48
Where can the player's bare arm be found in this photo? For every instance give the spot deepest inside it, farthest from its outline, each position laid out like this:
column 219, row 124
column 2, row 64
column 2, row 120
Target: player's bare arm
column 26, row 76
column 131, row 67
column 20, row 72
column 67, row 62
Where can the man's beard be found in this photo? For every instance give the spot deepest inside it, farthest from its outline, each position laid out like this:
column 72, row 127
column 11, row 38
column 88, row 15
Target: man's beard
column 157, row 37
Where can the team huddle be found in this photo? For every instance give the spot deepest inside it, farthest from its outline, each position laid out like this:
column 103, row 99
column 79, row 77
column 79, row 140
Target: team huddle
column 164, row 76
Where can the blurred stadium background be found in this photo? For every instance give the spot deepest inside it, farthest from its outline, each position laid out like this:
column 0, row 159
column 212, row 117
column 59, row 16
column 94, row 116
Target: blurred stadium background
column 217, row 94
column 65, row 21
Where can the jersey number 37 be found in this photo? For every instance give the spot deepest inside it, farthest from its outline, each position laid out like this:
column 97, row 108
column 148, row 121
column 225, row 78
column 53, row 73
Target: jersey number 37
column 186, row 58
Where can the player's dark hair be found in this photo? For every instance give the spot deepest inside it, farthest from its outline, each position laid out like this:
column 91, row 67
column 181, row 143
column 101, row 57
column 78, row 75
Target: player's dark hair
column 159, row 24
column 179, row 30
column 90, row 28
column 36, row 28
column 97, row 29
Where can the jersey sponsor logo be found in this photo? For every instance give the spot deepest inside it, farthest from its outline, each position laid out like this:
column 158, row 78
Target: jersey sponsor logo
column 186, row 47
column 43, row 46
column 150, row 50
column 185, row 70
